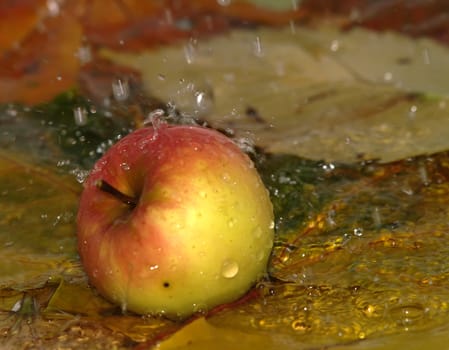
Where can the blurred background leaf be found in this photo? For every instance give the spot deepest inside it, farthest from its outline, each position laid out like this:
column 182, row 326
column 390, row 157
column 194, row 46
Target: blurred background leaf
column 315, row 93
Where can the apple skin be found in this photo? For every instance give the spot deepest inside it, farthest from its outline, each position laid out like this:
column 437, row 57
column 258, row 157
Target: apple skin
column 200, row 235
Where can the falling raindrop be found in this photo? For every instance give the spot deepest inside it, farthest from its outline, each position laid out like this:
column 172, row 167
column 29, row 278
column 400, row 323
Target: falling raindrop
column 422, row 171
column 120, row 90
column 335, row 45
column 80, row 115
column 412, row 112
column 84, row 54
column 257, row 47
column 190, row 52
column 229, row 269
column 426, row 56
column 388, row 76
column 204, row 101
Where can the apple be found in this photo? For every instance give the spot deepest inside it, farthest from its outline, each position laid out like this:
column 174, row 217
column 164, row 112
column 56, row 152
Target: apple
column 173, row 220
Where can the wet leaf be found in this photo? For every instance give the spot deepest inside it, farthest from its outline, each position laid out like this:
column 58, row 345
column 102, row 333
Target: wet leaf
column 319, row 94
column 38, row 209
column 200, row 334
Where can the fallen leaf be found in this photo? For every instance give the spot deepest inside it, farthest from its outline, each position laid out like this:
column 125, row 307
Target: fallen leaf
column 318, row 94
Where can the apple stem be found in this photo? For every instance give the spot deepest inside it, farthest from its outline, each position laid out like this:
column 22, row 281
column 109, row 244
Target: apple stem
column 108, row 188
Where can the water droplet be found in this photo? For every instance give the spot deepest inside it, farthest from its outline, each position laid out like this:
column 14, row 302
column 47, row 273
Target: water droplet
column 53, row 7
column 124, row 166
column 260, row 256
column 271, row 225
column 80, row 115
column 80, row 174
column 257, row 232
column 154, row 267
column 120, row 90
column 231, row 223
column 84, row 54
column 200, row 308
column 189, row 52
column 226, row 177
column 358, row 231
column 388, row 76
column 203, row 194
column 204, row 101
column 229, row 269
column 335, row 45
column 257, row 47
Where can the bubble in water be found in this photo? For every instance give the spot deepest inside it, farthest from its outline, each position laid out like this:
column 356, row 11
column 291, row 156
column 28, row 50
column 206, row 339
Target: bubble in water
column 229, row 269
column 120, row 90
column 80, row 115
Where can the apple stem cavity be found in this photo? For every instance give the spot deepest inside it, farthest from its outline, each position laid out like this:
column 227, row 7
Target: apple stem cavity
column 124, row 198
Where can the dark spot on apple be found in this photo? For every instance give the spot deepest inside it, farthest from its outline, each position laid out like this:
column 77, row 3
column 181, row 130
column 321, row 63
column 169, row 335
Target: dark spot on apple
column 166, row 284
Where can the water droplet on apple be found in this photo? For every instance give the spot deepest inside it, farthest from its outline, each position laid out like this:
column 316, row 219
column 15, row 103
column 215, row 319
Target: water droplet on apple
column 260, row 255
column 229, row 269
column 258, row 232
column 124, row 166
column 154, row 267
column 200, row 308
column 203, row 194
column 226, row 177
column 231, row 223
column 271, row 225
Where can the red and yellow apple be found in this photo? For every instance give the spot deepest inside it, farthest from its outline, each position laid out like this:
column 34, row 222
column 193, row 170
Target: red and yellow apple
column 174, row 220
